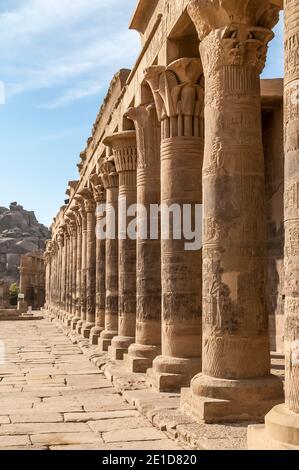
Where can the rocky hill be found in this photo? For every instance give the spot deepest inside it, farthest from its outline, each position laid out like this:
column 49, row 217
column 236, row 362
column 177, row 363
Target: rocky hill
column 20, row 233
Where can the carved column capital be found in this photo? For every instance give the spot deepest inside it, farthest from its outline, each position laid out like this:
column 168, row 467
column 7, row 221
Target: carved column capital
column 99, row 193
column 76, row 211
column 209, row 15
column 60, row 238
column 233, row 32
column 90, row 206
column 108, row 174
column 148, row 134
column 179, row 96
column 124, row 149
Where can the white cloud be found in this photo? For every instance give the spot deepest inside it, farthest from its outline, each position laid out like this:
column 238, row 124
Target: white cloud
column 40, row 16
column 71, row 47
column 72, row 94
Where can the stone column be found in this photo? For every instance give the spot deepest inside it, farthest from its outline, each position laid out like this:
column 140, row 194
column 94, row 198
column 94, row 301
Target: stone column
column 77, row 317
column 99, row 195
column 50, row 251
column 235, row 384
column 70, row 229
column 73, row 273
column 90, row 208
column 65, row 275
column 110, row 182
column 281, row 430
column 49, row 256
column 125, row 157
column 61, row 267
column 79, row 198
column 55, row 256
column 47, row 277
column 178, row 95
column 148, row 310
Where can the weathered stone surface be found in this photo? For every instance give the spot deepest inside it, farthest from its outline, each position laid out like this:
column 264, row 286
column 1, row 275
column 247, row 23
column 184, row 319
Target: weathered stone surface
column 42, row 428
column 14, row 441
column 35, row 417
column 20, row 233
column 39, row 420
column 127, row 435
column 119, row 423
column 52, row 439
column 98, row 416
column 4, row 420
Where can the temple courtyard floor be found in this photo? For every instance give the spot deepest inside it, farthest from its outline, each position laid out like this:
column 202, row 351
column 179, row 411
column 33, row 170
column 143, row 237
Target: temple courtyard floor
column 52, row 397
column 58, row 392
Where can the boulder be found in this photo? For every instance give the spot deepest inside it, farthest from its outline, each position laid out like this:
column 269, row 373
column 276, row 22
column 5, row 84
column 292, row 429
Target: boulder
column 20, row 233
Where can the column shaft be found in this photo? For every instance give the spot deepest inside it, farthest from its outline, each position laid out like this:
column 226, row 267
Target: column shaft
column 236, row 355
column 110, row 181
column 148, row 276
column 179, row 99
column 125, row 157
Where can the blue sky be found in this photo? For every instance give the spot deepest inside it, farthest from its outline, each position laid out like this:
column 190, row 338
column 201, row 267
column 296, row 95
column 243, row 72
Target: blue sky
column 57, row 58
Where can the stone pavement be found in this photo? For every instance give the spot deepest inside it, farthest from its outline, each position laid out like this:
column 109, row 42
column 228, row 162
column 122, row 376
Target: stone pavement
column 51, row 397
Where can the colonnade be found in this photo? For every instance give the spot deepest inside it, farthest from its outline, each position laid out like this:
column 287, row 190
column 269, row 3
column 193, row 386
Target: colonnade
column 194, row 320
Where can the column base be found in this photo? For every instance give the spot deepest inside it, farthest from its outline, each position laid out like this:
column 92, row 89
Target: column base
column 230, row 401
column 119, row 347
column 86, row 329
column 79, row 326
column 140, row 357
column 68, row 321
column 170, row 374
column 106, row 339
column 59, row 315
column 74, row 323
column 95, row 334
column 280, row 431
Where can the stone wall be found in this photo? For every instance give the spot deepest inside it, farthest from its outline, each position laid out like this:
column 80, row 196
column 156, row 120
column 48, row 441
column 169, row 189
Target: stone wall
column 32, row 280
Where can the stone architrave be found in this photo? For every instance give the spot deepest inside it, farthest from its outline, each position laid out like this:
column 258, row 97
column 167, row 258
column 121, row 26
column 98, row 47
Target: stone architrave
column 178, row 94
column 235, row 383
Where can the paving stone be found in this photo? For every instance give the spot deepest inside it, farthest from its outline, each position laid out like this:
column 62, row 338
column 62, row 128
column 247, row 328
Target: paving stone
column 35, row 417
column 4, row 420
column 43, row 428
column 77, row 447
column 52, row 439
column 14, row 441
column 100, row 415
column 58, row 401
column 106, row 406
column 116, row 424
column 24, row 448
column 127, row 435
column 58, row 407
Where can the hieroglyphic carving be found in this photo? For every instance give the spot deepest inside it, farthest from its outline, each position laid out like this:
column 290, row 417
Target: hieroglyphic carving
column 234, row 38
